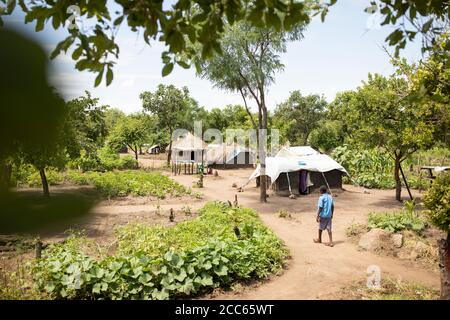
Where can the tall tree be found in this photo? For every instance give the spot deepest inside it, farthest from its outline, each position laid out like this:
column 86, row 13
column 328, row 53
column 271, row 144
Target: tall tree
column 112, row 116
column 299, row 115
column 170, row 105
column 30, row 111
column 130, row 131
column 230, row 117
column 44, row 154
column 85, row 125
column 387, row 116
column 248, row 64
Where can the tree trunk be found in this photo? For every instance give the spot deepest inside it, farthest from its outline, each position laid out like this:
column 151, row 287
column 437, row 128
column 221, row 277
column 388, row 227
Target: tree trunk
column 169, row 154
column 262, row 149
column 255, row 126
column 136, row 151
column 5, row 176
column 44, row 182
column 444, row 265
column 398, row 182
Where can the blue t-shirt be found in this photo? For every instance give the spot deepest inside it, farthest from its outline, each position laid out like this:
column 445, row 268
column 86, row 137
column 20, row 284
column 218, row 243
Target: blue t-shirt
column 325, row 205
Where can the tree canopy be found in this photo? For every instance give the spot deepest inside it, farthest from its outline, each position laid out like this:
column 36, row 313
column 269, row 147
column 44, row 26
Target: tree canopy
column 129, row 131
column 298, row 116
column 195, row 21
column 383, row 114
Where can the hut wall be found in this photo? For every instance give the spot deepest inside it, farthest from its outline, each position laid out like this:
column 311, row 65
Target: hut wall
column 334, row 178
column 242, row 160
column 187, row 155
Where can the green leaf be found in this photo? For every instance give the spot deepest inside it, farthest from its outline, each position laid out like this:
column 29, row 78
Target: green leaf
column 109, row 76
column 221, row 270
column 77, row 53
column 427, row 25
column 183, row 64
column 49, row 287
column 96, row 288
column 167, row 69
column 98, row 79
column 118, row 20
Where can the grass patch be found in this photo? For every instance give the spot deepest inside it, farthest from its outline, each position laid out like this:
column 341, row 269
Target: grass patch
column 282, row 213
column 221, row 246
column 355, row 230
column 390, row 290
column 129, row 182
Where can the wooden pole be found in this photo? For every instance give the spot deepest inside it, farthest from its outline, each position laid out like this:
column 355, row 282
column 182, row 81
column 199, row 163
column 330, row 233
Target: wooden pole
column 38, row 249
column 406, row 182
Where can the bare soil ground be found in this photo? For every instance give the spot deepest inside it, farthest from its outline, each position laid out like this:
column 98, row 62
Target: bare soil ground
column 315, row 270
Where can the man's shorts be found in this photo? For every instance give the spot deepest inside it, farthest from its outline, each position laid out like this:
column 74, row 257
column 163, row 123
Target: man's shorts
column 325, row 223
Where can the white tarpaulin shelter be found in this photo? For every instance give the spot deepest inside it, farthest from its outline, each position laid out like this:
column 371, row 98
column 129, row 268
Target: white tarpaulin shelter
column 313, row 162
column 225, row 154
column 300, row 151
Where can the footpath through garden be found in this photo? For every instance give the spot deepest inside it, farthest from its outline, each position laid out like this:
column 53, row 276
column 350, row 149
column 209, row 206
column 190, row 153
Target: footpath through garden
column 315, row 270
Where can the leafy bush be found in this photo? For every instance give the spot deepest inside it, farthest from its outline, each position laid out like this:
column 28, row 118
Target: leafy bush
column 187, row 259
column 437, row 201
column 398, row 221
column 370, row 168
column 85, row 162
column 105, row 159
column 134, row 182
column 110, row 160
column 27, row 175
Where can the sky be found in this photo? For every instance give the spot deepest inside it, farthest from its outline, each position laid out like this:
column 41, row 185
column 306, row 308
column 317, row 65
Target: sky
column 333, row 56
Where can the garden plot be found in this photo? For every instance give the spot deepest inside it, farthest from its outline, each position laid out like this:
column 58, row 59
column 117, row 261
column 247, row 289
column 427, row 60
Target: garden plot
column 335, row 267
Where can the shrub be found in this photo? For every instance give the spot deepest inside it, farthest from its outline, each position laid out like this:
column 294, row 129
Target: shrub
column 105, row 159
column 397, row 221
column 110, row 160
column 27, row 175
column 187, row 259
column 134, row 182
column 437, row 201
column 370, row 168
column 85, row 162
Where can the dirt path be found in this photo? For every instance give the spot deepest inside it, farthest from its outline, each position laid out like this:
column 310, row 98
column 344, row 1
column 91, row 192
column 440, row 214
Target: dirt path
column 315, row 270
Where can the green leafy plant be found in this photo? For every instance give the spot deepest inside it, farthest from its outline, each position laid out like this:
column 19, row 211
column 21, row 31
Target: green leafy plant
column 27, row 175
column 134, row 182
column 187, row 259
column 105, row 159
column 370, row 168
column 437, row 201
column 396, row 221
